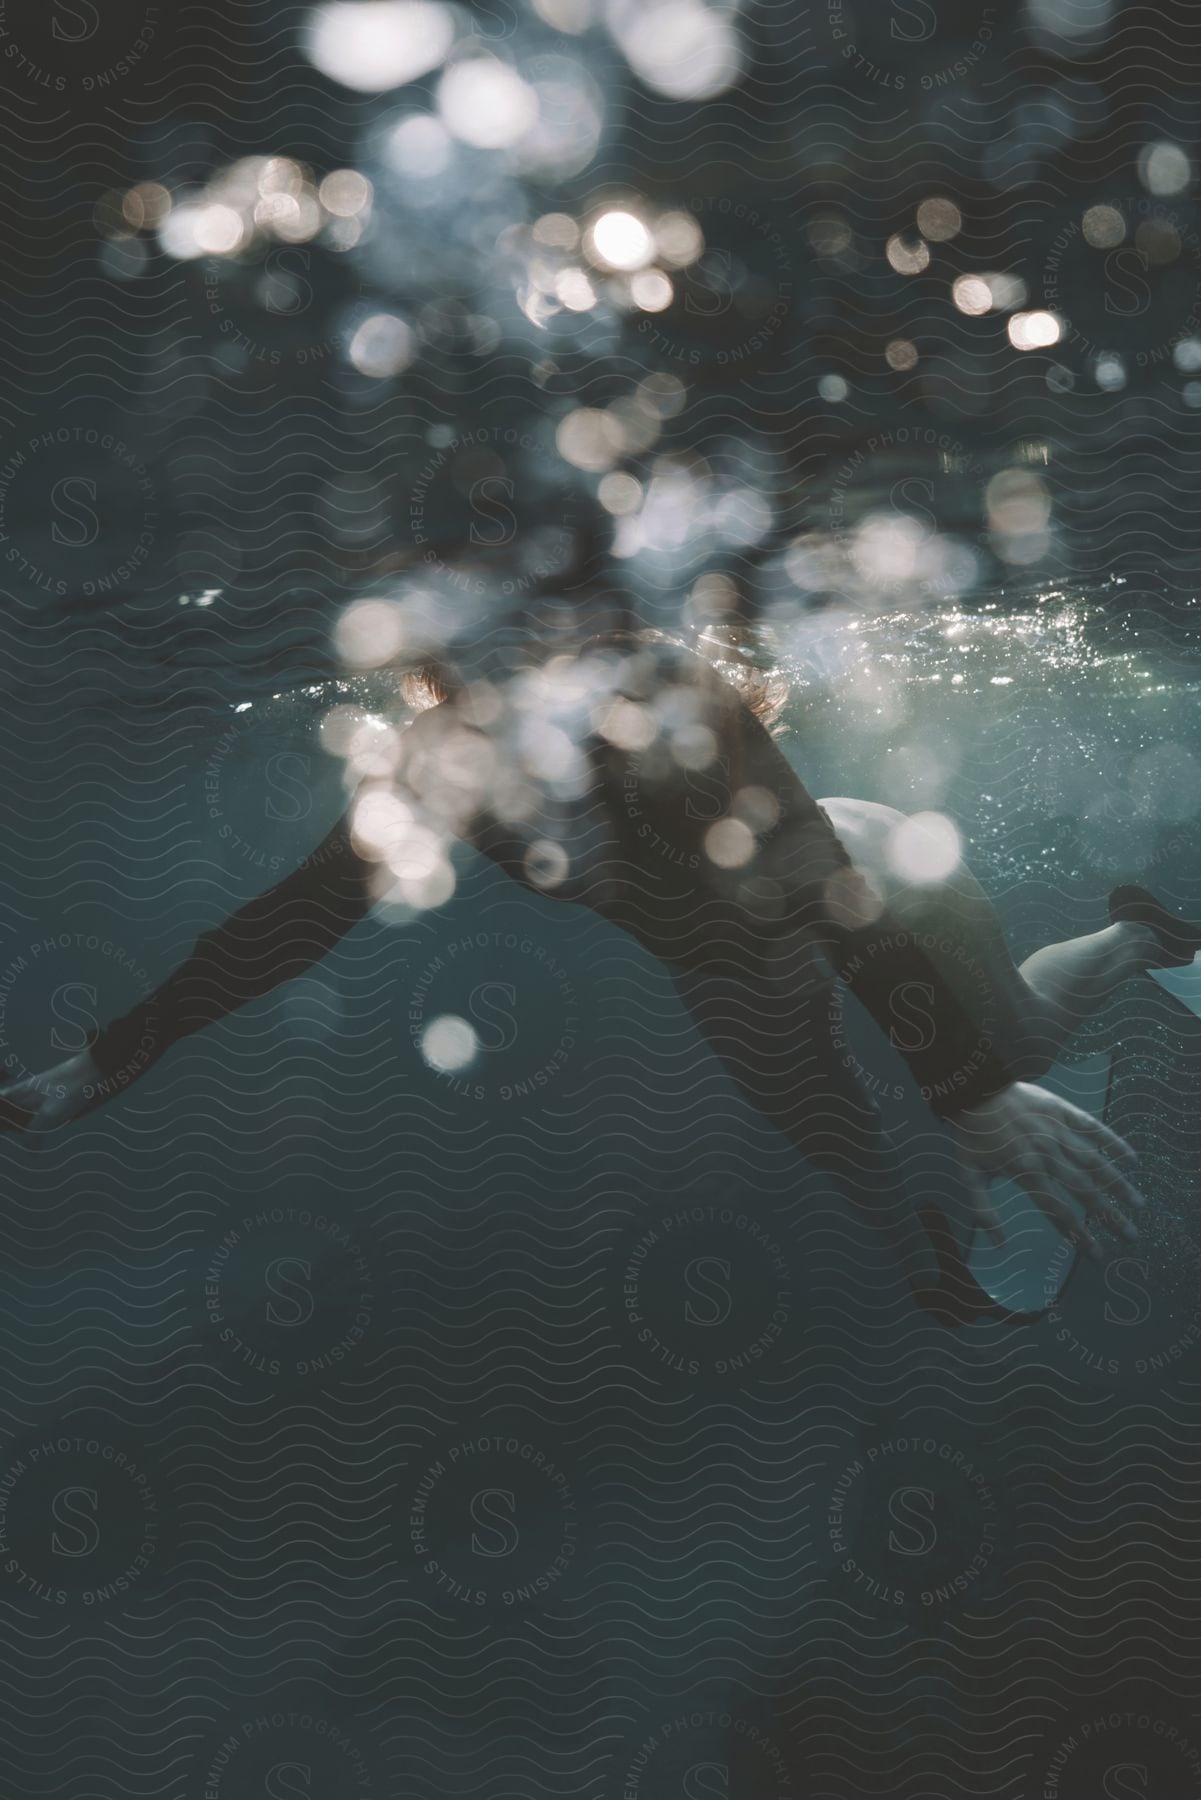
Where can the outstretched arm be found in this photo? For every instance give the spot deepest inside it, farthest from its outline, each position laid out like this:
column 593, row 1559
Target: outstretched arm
column 768, row 1013
column 276, row 936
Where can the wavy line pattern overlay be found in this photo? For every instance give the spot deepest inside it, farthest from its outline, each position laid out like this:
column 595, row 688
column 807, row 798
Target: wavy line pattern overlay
column 440, row 1378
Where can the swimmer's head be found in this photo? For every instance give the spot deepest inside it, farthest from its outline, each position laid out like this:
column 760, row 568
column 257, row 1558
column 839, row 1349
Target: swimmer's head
column 428, row 684
column 745, row 656
column 742, row 655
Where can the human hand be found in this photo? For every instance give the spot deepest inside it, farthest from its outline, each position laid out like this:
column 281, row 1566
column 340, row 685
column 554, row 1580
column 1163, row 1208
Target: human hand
column 1031, row 1137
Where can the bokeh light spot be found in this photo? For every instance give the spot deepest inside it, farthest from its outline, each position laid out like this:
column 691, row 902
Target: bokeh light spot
column 939, row 219
column 901, row 355
column 1034, row 330
column 420, row 146
column 679, row 238
column 369, row 634
column 1103, row 227
column 372, row 45
column 546, row 864
column 652, row 291
column 679, row 47
column 729, row 844
column 382, row 346
column 972, row 295
column 906, row 256
column 449, row 1044
column 1165, row 169
column 485, row 103
column 925, row 848
column 619, row 240
column 344, row 192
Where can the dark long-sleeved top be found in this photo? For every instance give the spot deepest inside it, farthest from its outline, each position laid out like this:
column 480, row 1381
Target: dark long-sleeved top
column 635, row 840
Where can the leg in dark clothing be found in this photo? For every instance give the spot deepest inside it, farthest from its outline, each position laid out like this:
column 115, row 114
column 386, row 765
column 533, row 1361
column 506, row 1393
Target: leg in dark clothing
column 1033, row 1010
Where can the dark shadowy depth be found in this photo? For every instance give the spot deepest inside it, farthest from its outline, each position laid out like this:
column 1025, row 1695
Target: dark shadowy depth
column 437, row 1379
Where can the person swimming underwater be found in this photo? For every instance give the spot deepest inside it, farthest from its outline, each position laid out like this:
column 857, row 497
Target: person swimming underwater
column 763, row 904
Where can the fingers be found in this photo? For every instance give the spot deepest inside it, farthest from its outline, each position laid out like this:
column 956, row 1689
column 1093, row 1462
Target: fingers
column 1089, row 1160
column 1074, row 1121
column 1082, row 1184
column 1105, row 1178
column 1096, row 1186
column 1062, row 1153
column 1109, row 1141
column 1040, row 1181
column 983, row 1211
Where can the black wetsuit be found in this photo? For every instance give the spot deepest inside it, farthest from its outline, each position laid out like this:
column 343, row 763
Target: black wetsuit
column 750, row 937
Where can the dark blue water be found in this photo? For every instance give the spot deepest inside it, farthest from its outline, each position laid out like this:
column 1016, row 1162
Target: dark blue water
column 382, row 1423
column 554, row 1411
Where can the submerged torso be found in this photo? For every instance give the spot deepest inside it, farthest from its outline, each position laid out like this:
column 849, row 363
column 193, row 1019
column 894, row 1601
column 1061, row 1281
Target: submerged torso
column 633, row 779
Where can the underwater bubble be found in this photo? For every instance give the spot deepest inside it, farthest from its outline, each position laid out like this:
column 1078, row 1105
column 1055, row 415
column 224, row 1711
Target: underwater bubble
column 906, row 257
column 546, row 864
column 651, row 291
column 939, row 219
column 619, row 240
column 1034, row 330
column 382, row 346
column 925, row 848
column 420, row 146
column 1165, row 168
column 371, row 45
column 729, row 844
column 678, row 47
column 485, row 103
column 448, row 1044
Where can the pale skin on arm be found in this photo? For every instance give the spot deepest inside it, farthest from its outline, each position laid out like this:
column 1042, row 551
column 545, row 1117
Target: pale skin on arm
column 1045, row 1145
column 1025, row 1134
